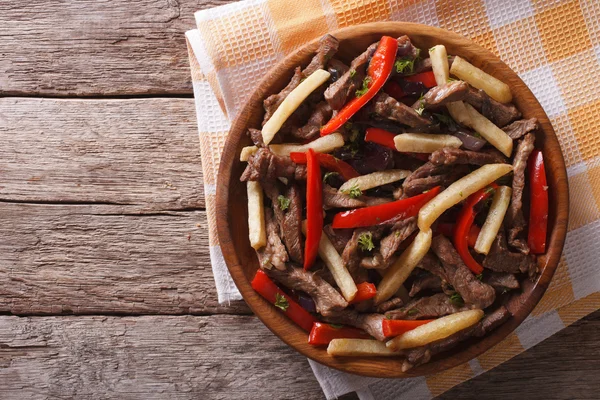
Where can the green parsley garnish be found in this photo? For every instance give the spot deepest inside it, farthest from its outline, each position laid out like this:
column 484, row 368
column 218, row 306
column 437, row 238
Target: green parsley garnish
column 421, row 105
column 329, row 174
column 479, row 276
column 352, row 73
column 354, row 134
column 365, row 87
column 451, row 80
column 281, row 302
column 457, row 299
column 365, row 241
column 354, row 191
column 397, row 234
column 446, row 120
column 461, row 194
column 284, row 202
column 336, row 326
column 432, row 49
column 412, row 311
column 489, row 190
column 404, row 65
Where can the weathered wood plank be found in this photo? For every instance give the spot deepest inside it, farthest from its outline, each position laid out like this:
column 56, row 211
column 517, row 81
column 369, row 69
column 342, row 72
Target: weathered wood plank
column 90, row 47
column 142, row 151
column 87, row 259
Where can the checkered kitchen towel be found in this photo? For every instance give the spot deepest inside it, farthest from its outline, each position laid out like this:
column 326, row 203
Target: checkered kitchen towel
column 553, row 45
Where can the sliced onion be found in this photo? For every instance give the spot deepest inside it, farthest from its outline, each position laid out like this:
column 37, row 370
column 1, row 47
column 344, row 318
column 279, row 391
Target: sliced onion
column 469, row 141
column 307, row 302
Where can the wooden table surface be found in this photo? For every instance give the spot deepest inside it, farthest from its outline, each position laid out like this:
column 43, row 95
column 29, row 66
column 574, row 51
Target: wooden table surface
column 106, row 288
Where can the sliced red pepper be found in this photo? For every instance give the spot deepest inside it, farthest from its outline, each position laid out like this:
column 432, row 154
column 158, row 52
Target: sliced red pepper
column 394, row 89
column 464, row 222
column 396, row 327
column 426, row 78
column 329, row 162
column 447, row 229
column 366, row 291
column 385, row 138
column 379, row 70
column 314, row 208
column 374, row 215
column 274, row 295
column 538, row 213
column 322, row 333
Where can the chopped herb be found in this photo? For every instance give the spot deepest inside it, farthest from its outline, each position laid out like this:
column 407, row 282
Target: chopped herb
column 421, row 108
column 412, row 311
column 489, row 190
column 336, row 326
column 281, row 302
column 504, row 290
column 397, row 234
column 477, row 135
column 404, row 65
column 284, row 202
column 432, row 49
column 365, row 87
column 451, row 80
column 328, row 175
column 479, row 276
column 354, row 191
column 352, row 73
column 348, row 125
column 354, row 134
column 446, row 120
column 365, row 241
column 388, row 317
column 457, row 299
column 461, row 194
column 417, row 54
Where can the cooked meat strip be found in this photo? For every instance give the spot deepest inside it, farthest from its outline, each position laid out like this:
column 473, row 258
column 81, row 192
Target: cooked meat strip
column 327, row 299
column 336, row 68
column 390, row 304
column 501, row 281
column 500, row 114
column 451, row 155
column 344, row 88
column 333, row 198
column 352, row 255
column 273, row 101
column 421, row 65
column 374, row 262
column 442, row 94
column 321, row 114
column 425, row 282
column 338, row 237
column 386, row 106
column 514, row 216
column 374, row 201
column 256, row 136
column 501, row 259
column 429, row 176
column 274, row 253
column 406, row 48
column 421, row 355
column 471, row 289
column 401, row 230
column 291, row 226
column 370, row 323
column 520, row 128
column 328, row 46
column 434, row 306
column 266, row 167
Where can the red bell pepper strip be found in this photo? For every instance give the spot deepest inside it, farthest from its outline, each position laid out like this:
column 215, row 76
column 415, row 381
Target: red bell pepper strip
column 329, row 162
column 314, row 209
column 322, row 333
column 394, row 89
column 369, row 216
column 447, row 229
column 379, row 70
column 274, row 295
column 366, row 291
column 463, row 226
column 396, row 327
column 385, row 138
column 426, row 78
column 538, row 213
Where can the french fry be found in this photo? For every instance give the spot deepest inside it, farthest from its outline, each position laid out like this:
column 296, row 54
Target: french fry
column 435, row 330
column 494, row 219
column 439, row 63
column 469, row 73
column 292, row 102
column 325, row 144
column 336, row 266
column 459, row 112
column 378, row 178
column 395, row 275
column 424, row 142
column 257, row 232
column 358, row 347
column 460, row 190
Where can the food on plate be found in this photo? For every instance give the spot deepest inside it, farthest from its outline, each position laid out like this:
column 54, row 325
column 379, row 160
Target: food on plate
column 394, row 201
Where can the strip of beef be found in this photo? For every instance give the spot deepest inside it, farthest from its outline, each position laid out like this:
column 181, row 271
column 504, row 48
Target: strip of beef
column 338, row 237
column 291, row 223
column 471, row 289
column 429, row 176
column 321, row 114
column 500, row 114
column 344, row 88
column 266, row 167
column 501, row 281
column 520, row 128
column 352, row 253
column 390, row 304
column 501, row 259
column 327, row 299
column 451, row 155
column 336, row 68
column 442, row 94
column 406, row 50
column 274, row 253
column 425, row 282
column 434, row 306
column 333, row 198
column 328, row 46
column 514, row 216
column 374, row 201
column 386, row 106
column 273, row 101
column 422, row 65
column 400, row 232
column 370, row 323
column 421, row 355
column 256, row 136
column 374, row 262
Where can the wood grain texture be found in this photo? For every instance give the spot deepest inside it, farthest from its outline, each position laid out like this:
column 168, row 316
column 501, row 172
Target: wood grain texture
column 232, row 211
column 143, row 152
column 84, row 259
column 96, row 48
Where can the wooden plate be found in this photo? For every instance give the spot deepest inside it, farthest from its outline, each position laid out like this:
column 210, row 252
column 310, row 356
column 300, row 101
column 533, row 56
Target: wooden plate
column 232, row 202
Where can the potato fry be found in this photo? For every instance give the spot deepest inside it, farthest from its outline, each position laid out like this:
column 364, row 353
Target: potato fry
column 459, row 112
column 435, row 330
column 358, row 347
column 494, row 219
column 395, row 275
column 336, row 266
column 490, row 132
column 325, row 144
column 469, row 73
column 256, row 216
column 292, row 102
column 379, row 178
column 439, row 63
column 424, row 142
column 460, row 190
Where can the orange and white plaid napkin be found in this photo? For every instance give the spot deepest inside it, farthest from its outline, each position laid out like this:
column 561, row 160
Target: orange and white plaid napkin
column 553, row 45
